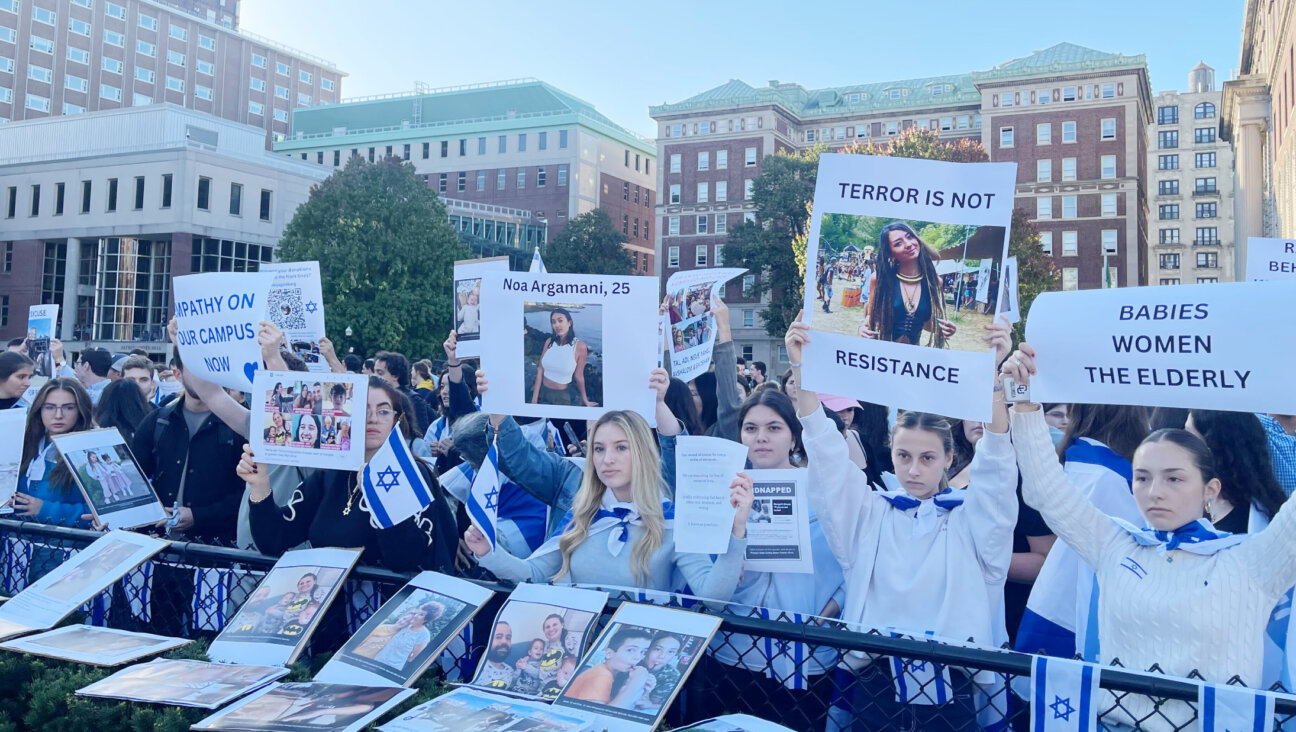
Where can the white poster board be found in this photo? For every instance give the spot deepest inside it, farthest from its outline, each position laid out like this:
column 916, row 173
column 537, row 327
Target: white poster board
column 73, row 583
column 111, row 482
column 94, row 646
column 1190, row 346
column 692, row 326
column 536, row 372
column 407, row 634
column 951, row 210
column 42, row 326
column 735, row 723
column 296, row 707
column 468, row 295
column 469, row 709
column 778, row 527
column 1270, row 259
column 296, row 305
column 273, row 625
column 13, row 424
column 184, row 683
column 704, row 469
column 310, row 420
column 219, row 315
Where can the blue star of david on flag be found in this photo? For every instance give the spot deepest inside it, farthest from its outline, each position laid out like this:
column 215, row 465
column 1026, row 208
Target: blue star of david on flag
column 393, row 487
column 1062, row 708
column 483, row 497
column 1072, row 687
column 388, row 478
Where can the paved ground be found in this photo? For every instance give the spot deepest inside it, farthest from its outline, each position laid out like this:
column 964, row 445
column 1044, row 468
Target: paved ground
column 847, row 320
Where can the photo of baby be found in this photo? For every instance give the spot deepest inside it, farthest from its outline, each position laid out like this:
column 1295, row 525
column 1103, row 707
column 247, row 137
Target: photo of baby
column 533, row 649
column 284, row 606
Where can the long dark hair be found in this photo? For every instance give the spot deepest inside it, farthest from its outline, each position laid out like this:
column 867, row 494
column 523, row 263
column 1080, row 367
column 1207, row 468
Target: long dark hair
column 964, row 450
column 874, row 429
column 1121, row 428
column 1238, row 443
column 706, row 388
column 783, row 407
column 680, row 403
column 882, row 317
column 61, row 478
column 121, row 405
column 401, row 403
column 927, row 422
column 571, row 330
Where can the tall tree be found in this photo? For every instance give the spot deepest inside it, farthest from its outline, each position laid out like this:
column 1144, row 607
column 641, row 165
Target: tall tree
column 386, row 251
column 1036, row 271
column 589, row 245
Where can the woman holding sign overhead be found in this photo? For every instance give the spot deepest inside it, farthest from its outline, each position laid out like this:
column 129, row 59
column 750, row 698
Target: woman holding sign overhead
column 1175, row 592
column 923, row 559
column 905, row 295
column 562, row 362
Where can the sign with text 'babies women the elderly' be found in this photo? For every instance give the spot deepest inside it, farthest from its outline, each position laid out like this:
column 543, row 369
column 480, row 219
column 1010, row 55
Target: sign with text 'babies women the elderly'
column 1212, row 346
column 219, row 314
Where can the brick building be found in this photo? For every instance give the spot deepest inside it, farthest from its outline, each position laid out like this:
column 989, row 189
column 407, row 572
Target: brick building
column 1072, row 118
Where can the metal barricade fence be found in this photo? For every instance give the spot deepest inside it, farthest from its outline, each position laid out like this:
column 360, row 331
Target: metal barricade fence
column 780, row 667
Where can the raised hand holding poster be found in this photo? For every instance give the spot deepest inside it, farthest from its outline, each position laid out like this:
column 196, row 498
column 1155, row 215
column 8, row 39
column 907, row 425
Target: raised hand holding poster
column 218, row 314
column 113, row 485
column 312, row 420
column 41, row 322
column 889, row 324
column 296, row 305
column 1270, row 259
column 689, row 297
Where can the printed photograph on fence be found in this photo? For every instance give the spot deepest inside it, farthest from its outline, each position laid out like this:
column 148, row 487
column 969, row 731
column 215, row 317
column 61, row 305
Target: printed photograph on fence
column 735, row 723
column 579, row 348
column 538, row 639
column 218, row 315
column 184, row 683
column 41, row 323
column 778, row 527
column 689, row 297
column 407, row 634
column 13, row 422
column 113, row 485
column 638, row 664
column 277, row 619
column 74, row 582
column 309, row 420
column 467, row 301
column 902, row 276
column 95, row 646
column 296, row 305
column 467, row 710
column 1270, row 259
column 308, row 706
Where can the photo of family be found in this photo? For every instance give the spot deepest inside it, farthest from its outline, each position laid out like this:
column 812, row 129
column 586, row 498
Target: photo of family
column 285, row 606
column 184, row 683
column 307, row 706
column 534, row 649
column 691, row 302
column 105, row 470
column 692, row 333
column 563, row 350
column 95, row 646
column 463, row 710
column 92, row 572
column 406, row 634
column 633, row 672
column 917, row 282
column 309, row 415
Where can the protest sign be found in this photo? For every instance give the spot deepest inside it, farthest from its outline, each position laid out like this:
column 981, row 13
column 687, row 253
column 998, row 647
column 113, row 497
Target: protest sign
column 692, row 326
column 704, row 469
column 315, row 421
column 778, row 527
column 1270, row 259
column 538, row 639
column 95, row 646
column 113, row 485
column 296, row 305
column 42, row 320
column 74, row 582
column 578, row 347
column 467, row 301
column 899, row 250
column 13, row 424
column 184, row 683
column 1190, row 346
column 653, row 650
column 468, row 709
column 273, row 625
column 314, row 706
column 219, row 314
column 407, row 634
column 1009, row 297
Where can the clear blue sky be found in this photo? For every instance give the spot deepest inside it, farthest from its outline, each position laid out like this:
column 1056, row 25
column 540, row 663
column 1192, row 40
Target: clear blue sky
column 623, row 56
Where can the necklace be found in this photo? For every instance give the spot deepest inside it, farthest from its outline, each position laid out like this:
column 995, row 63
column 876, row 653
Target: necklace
column 911, row 303
column 909, row 278
column 351, row 497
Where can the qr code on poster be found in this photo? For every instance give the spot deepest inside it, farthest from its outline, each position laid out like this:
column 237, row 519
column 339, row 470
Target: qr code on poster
column 286, row 308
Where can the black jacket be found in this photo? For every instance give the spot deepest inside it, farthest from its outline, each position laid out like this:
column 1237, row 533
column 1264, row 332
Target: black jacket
column 422, row 412
column 212, row 489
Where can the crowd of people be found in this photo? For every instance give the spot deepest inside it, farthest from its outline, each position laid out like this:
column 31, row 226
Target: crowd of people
column 1152, row 537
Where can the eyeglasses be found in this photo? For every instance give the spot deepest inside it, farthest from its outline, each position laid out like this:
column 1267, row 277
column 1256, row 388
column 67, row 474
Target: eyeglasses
column 382, row 412
column 59, row 408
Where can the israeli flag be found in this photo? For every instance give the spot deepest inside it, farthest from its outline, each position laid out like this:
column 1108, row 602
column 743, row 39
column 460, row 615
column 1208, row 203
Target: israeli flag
column 1234, row 708
column 919, row 681
column 211, row 599
column 483, row 498
column 537, row 264
column 393, row 488
column 1064, row 695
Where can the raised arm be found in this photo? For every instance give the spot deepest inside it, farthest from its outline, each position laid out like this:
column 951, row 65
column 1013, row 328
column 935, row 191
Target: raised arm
column 1272, row 552
column 728, row 401
column 275, row 529
column 538, row 568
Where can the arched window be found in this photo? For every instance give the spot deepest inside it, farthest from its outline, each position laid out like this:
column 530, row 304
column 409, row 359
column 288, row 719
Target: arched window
column 1205, row 110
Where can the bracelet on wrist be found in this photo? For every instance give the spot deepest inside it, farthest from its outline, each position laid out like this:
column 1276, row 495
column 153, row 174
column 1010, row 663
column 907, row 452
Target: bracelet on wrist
column 793, row 365
column 456, row 364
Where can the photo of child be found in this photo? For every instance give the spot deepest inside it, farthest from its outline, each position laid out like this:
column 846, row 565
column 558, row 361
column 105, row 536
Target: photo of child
column 284, row 606
column 309, row 415
column 107, row 473
column 528, row 647
column 405, row 634
column 468, row 309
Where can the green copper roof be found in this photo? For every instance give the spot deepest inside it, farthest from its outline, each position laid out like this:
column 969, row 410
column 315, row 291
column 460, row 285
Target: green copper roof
column 497, row 107
column 934, row 91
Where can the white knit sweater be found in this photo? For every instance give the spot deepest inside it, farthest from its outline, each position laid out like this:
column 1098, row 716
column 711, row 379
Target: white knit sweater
column 1180, row 611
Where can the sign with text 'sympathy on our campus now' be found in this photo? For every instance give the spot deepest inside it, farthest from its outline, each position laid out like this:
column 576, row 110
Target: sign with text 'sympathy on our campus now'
column 1210, row 346
column 219, row 314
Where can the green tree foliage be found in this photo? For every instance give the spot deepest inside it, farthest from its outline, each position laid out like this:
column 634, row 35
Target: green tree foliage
column 589, row 244
column 386, row 251
column 1036, row 271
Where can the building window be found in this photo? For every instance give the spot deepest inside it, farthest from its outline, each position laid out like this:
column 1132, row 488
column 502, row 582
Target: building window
column 405, row 152
column 337, row 158
column 1206, row 210
column 1108, row 129
column 521, row 178
column 1170, row 280
column 672, row 257
column 58, row 199
column 1168, row 162
column 139, row 193
column 1207, row 280
column 174, row 84
column 562, row 139
column 1204, row 160
column 1068, row 132
column 203, row 92
column 1168, row 261
column 499, row 179
column 1168, row 212
column 674, row 193
column 1005, row 137
column 721, row 227
column 1044, row 134
column 1204, row 135
column 700, row 256
column 562, row 174
column 11, row 209
column 1168, row 236
column 175, row 58
column 1205, row 186
column 702, row 224
column 305, row 77
column 1068, row 169
column 1167, row 187
column 461, row 184
column 85, row 196
column 522, row 137
column 721, row 191
column 206, row 42
column 112, row 38
column 1206, row 236
column 749, row 158
column 148, row 22
column 625, row 191
column 256, row 108
column 236, row 199
column 1109, row 241
column 543, row 141
column 1044, row 208
column 40, row 73
column 1208, row 260
column 704, row 161
column 1168, row 115
column 1068, row 207
column 722, row 159
column 1046, row 242
column 1108, row 167
column 441, row 183
column 541, row 177
column 675, row 163
column 204, row 194
column 1205, row 110
column 112, row 195
column 702, row 192
column 673, row 226
column 79, row 27
column 481, row 180
column 1108, row 205
column 503, row 144
column 1070, row 243
column 1167, row 139
column 76, row 83
column 749, row 189
column 145, row 75
column 79, row 55
column 179, row 33
column 1109, row 91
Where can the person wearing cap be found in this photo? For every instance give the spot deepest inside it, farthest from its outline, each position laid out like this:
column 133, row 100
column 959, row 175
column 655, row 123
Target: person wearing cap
column 842, row 407
column 118, row 363
column 92, row 371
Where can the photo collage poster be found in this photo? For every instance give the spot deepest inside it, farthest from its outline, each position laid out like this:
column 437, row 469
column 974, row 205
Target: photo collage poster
column 309, row 420
column 296, row 305
column 469, row 709
column 110, row 480
column 689, row 297
column 300, row 707
column 468, row 274
column 94, row 646
column 538, row 639
column 902, row 275
column 408, row 633
column 184, row 683
column 578, row 347
column 272, row 626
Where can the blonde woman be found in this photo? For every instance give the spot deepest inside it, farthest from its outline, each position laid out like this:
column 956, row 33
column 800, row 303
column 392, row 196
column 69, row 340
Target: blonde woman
column 619, row 531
